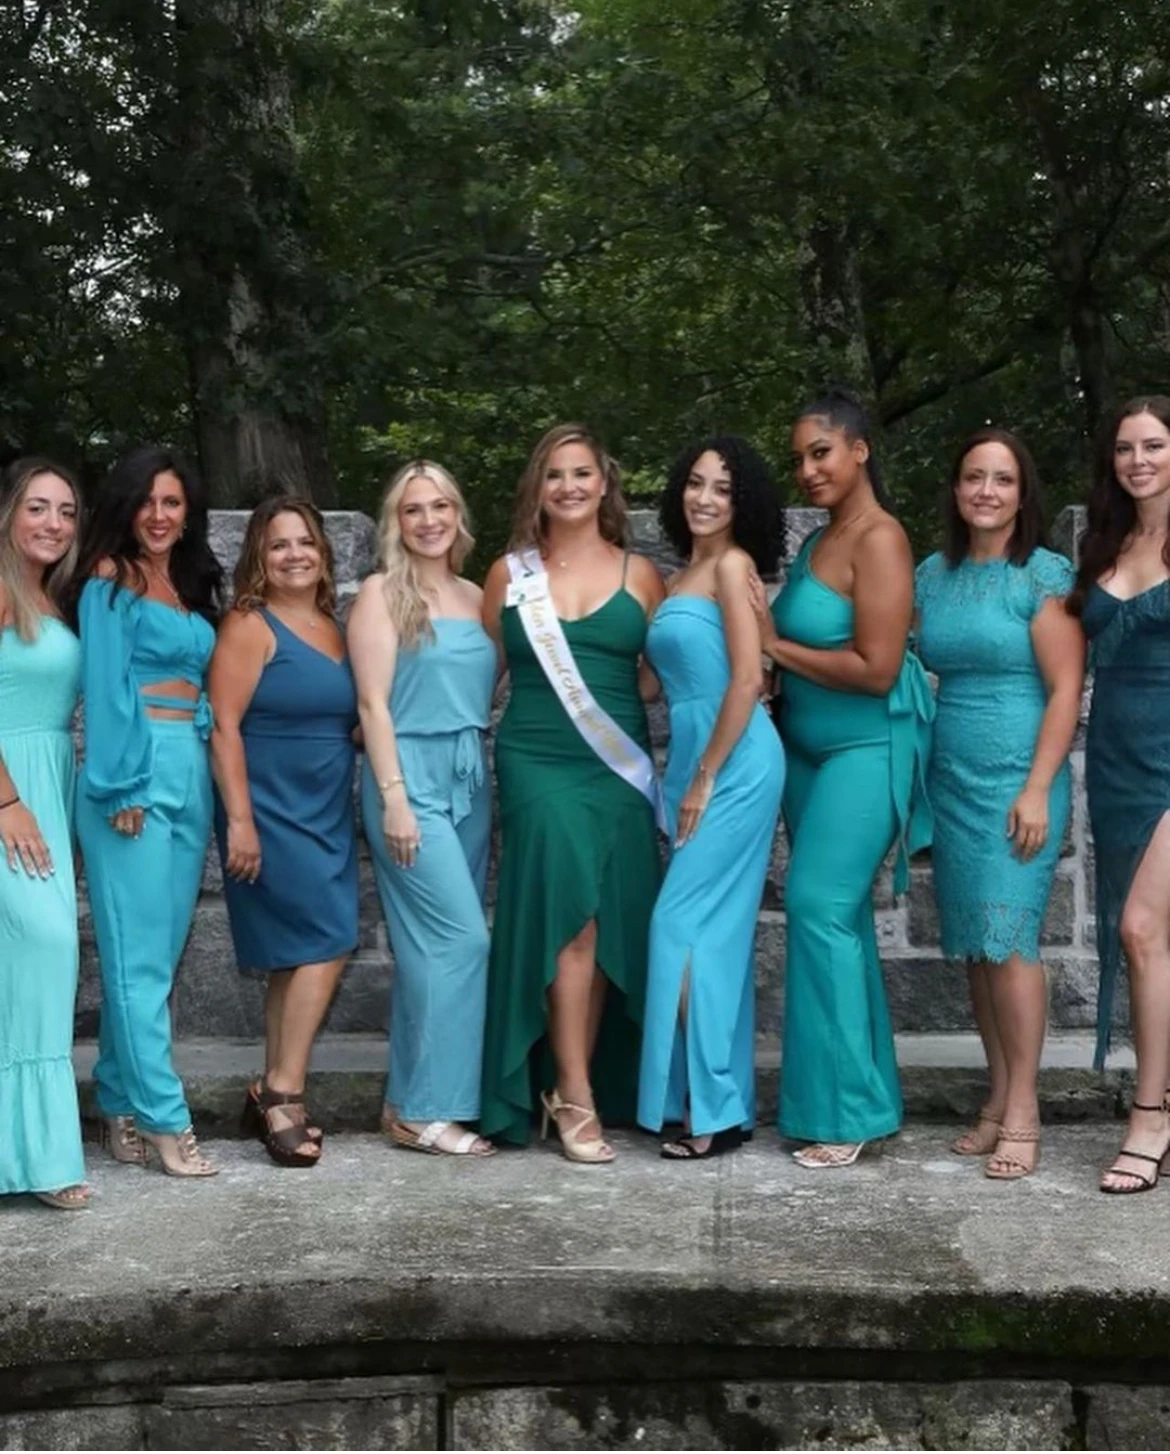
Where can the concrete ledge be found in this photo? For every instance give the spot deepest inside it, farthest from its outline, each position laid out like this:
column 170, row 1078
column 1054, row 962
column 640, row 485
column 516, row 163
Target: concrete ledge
column 942, row 1079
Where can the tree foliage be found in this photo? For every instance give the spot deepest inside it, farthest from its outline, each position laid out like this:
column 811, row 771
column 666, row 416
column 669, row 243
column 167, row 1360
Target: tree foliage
column 309, row 238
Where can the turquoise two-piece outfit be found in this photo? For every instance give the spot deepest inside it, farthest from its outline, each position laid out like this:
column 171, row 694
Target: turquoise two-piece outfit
column 974, row 632
column 1127, row 757
column 855, row 789
column 440, row 704
column 299, row 753
column 703, row 927
column 40, row 1131
column 142, row 889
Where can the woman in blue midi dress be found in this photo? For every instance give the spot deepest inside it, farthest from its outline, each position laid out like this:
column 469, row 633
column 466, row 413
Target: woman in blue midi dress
column 283, row 757
column 1010, row 667
column 724, row 776
column 40, row 671
column 426, row 669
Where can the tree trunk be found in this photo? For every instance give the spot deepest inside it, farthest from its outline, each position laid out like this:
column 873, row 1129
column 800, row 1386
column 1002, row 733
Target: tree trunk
column 247, row 291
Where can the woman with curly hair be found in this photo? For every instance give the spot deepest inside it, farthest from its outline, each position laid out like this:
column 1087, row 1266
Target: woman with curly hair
column 283, row 758
column 147, row 611
column 425, row 670
column 855, row 717
column 579, row 869
column 1122, row 596
column 724, row 776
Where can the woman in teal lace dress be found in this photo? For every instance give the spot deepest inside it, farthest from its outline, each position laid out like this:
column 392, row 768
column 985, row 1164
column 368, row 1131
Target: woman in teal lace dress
column 1122, row 595
column 1010, row 664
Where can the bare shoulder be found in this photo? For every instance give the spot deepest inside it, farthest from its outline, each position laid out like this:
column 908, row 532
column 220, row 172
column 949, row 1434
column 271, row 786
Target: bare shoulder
column 497, row 575
column 644, row 578
column 370, row 589
column 470, row 592
column 106, row 569
column 734, row 567
column 243, row 629
column 884, row 541
column 3, row 606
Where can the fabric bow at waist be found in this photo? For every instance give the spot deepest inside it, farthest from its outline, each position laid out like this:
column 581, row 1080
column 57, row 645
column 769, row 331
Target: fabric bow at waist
column 911, row 709
column 468, row 771
column 202, row 717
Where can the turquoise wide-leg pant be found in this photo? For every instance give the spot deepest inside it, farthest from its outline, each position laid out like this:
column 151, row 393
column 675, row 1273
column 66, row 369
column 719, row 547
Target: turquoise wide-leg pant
column 142, row 893
column 435, row 921
column 838, row 1074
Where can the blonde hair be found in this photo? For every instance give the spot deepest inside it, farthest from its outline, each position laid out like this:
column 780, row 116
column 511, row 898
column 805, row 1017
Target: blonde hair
column 56, row 580
column 404, row 595
column 528, row 524
column 250, row 580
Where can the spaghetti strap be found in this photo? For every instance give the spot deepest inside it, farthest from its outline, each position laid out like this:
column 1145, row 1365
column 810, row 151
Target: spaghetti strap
column 625, row 567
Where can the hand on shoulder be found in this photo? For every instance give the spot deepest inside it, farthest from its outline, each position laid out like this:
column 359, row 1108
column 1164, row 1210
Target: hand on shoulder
column 106, row 569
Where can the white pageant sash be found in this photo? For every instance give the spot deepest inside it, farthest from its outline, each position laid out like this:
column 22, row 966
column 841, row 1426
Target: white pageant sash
column 529, row 593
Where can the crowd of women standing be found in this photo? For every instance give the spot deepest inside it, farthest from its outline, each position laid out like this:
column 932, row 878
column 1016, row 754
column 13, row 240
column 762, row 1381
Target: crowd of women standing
column 616, row 984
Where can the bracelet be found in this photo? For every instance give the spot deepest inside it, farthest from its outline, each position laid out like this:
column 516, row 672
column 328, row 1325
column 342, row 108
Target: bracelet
column 703, row 770
column 10, row 803
column 391, row 782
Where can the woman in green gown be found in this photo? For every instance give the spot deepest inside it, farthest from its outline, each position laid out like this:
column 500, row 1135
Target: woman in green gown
column 580, row 866
column 855, row 719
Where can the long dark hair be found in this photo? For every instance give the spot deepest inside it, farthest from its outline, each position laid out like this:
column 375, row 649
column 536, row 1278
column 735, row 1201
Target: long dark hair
column 1029, row 530
column 842, row 409
column 757, row 519
column 195, row 572
column 1112, row 513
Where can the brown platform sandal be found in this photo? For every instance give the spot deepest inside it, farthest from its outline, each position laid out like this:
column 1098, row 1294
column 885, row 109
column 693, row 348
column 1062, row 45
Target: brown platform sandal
column 979, row 1138
column 254, row 1123
column 1012, row 1167
column 284, row 1145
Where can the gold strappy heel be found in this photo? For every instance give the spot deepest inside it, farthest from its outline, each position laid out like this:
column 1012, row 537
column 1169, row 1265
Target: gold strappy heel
column 593, row 1152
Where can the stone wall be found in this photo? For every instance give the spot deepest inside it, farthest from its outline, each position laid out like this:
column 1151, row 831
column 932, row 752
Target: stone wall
column 211, row 999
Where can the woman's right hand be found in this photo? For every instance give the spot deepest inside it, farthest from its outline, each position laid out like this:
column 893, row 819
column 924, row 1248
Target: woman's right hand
column 128, row 821
column 400, row 828
column 243, row 851
column 23, row 842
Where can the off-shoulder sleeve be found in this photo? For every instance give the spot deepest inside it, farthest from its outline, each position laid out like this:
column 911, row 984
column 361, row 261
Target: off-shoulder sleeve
column 119, row 755
column 1051, row 575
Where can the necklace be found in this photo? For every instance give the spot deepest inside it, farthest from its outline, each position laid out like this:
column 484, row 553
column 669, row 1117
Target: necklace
column 835, row 532
column 312, row 620
column 161, row 578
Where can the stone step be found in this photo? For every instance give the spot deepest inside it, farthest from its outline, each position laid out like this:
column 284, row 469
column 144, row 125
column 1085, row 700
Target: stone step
column 942, row 1079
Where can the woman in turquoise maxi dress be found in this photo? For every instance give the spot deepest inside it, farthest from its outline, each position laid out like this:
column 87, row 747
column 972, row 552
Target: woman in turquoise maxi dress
column 726, row 763
column 855, row 712
column 1010, row 666
column 40, row 670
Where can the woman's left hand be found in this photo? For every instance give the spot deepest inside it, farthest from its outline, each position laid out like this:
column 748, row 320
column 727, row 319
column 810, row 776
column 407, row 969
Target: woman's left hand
column 692, row 807
column 1027, row 822
column 758, row 598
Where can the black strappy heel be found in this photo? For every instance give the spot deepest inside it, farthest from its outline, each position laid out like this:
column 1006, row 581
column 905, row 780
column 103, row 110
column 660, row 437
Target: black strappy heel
column 1145, row 1183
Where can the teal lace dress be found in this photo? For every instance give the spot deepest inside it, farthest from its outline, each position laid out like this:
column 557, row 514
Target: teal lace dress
column 1127, row 757
column 975, row 633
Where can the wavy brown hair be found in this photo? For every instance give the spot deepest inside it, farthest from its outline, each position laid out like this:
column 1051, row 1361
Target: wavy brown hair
column 1112, row 513
column 1028, row 532
column 251, row 577
column 528, row 523
column 57, row 580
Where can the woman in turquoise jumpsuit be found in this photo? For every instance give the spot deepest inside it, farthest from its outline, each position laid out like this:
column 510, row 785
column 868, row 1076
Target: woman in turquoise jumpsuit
column 855, row 712
column 150, row 594
column 722, row 785
column 425, row 669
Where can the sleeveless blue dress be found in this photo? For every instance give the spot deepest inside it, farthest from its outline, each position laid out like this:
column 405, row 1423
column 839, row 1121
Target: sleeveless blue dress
column 975, row 632
column 704, row 920
column 299, row 750
column 40, row 1131
column 440, row 704
column 1127, row 757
